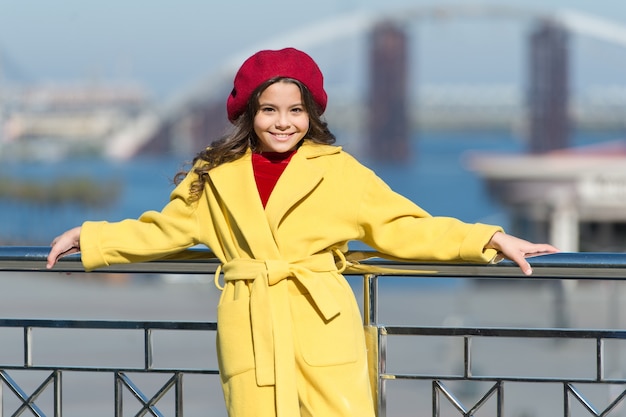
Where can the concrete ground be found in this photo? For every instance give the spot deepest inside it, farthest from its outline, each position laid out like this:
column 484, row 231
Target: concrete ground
column 420, row 302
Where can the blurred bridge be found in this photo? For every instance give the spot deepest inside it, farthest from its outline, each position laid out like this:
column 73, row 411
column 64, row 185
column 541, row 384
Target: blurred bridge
column 196, row 117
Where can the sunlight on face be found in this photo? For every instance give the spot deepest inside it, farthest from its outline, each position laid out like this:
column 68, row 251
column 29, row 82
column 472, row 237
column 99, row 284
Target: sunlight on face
column 282, row 121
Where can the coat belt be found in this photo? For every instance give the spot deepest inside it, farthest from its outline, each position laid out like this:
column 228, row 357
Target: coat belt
column 271, row 315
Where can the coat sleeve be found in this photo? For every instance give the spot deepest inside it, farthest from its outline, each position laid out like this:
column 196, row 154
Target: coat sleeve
column 394, row 225
column 153, row 235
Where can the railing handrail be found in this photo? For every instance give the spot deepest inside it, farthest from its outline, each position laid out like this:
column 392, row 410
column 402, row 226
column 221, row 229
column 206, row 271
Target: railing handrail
column 109, row 324
column 565, row 265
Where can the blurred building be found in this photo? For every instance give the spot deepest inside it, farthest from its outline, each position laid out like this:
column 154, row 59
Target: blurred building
column 548, row 96
column 388, row 115
column 48, row 121
column 573, row 198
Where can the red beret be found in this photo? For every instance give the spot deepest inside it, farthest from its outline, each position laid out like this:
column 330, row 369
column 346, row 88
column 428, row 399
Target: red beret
column 268, row 64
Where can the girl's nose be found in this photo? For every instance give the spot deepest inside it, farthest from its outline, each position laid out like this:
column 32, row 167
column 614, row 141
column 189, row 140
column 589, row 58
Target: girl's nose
column 282, row 121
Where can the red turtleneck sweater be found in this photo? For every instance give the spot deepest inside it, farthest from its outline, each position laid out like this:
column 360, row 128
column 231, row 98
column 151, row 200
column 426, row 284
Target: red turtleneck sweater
column 268, row 167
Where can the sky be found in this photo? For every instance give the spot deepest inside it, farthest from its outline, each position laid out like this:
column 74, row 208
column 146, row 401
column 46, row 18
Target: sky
column 169, row 46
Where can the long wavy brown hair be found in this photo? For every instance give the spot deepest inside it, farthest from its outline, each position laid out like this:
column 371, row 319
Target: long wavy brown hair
column 234, row 145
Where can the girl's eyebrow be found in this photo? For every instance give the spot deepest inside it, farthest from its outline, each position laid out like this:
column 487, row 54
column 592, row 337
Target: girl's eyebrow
column 301, row 104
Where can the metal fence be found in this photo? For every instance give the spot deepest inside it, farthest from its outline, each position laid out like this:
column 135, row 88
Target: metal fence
column 571, row 366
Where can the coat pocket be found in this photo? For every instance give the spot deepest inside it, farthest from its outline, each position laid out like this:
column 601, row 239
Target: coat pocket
column 325, row 343
column 234, row 338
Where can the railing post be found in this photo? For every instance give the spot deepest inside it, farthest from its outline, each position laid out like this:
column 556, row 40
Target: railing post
column 370, row 322
column 599, row 359
column 119, row 409
column 147, row 344
column 28, row 350
column 382, row 370
column 58, row 394
column 467, row 357
column 370, row 299
column 178, row 395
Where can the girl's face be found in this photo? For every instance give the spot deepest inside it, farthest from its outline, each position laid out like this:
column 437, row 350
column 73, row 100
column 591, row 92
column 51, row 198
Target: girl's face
column 281, row 121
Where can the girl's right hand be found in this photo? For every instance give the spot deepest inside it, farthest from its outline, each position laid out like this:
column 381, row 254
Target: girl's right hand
column 66, row 244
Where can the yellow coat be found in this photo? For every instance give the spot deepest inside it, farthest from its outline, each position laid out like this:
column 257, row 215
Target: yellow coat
column 323, row 200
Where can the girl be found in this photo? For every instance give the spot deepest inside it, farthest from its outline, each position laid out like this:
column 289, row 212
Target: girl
column 277, row 204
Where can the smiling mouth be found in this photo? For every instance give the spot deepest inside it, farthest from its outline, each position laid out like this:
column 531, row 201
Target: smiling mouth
column 282, row 135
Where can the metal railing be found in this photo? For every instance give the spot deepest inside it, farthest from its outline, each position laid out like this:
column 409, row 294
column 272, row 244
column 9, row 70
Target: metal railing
column 446, row 391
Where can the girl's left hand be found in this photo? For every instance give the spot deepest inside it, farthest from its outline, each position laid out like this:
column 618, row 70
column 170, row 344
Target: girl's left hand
column 517, row 250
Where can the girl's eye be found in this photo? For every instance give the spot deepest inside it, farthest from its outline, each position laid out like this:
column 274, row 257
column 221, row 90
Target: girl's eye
column 297, row 110
column 267, row 109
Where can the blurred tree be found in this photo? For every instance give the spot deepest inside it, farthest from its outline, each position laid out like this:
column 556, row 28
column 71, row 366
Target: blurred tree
column 79, row 191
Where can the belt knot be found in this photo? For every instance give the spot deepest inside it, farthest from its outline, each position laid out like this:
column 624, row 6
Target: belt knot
column 277, row 270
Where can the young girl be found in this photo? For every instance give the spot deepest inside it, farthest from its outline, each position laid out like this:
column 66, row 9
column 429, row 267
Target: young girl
column 277, row 204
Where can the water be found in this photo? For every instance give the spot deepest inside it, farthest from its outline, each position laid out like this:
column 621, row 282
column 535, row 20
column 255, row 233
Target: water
column 145, row 185
column 436, row 179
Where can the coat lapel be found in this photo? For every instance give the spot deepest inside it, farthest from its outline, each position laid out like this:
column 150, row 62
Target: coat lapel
column 298, row 179
column 235, row 185
column 301, row 176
